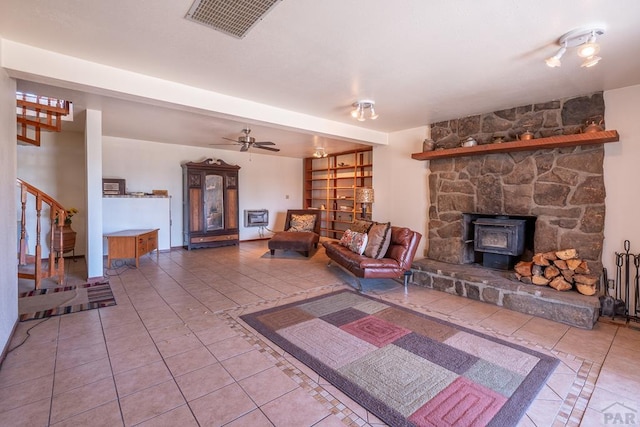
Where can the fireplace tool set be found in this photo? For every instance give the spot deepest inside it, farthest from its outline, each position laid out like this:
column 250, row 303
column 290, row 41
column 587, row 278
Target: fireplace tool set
column 620, row 305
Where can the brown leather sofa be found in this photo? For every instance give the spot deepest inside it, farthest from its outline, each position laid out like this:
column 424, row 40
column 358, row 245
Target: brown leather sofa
column 396, row 262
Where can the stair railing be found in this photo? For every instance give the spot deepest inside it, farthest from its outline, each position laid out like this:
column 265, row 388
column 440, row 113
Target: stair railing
column 56, row 211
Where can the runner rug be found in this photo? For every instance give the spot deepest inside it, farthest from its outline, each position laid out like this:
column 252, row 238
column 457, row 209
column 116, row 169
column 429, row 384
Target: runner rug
column 407, row 368
column 42, row 303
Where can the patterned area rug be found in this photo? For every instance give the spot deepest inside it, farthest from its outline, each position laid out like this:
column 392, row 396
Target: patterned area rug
column 42, row 303
column 407, row 368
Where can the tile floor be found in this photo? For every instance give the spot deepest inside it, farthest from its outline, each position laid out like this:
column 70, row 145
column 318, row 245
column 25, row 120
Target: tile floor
column 173, row 352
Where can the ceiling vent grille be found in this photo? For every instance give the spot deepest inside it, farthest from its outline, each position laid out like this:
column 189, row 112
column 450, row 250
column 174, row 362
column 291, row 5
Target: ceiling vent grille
column 233, row 17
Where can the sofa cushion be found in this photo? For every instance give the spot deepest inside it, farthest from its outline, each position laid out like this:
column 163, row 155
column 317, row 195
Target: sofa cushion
column 302, row 223
column 379, row 238
column 361, row 226
column 356, row 242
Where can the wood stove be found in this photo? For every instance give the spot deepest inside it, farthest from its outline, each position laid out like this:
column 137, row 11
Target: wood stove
column 500, row 239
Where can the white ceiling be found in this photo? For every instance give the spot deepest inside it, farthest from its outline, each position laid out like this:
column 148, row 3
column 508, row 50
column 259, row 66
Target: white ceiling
column 422, row 61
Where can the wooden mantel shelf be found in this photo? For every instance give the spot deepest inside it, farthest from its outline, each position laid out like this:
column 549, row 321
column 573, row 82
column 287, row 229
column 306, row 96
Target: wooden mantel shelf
column 529, row 145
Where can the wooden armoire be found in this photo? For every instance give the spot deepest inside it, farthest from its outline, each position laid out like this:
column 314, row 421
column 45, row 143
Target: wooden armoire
column 210, row 204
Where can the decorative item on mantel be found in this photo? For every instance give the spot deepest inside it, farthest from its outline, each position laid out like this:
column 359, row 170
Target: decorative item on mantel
column 557, row 141
column 594, row 126
column 525, row 136
column 469, row 142
column 497, row 139
column 428, row 145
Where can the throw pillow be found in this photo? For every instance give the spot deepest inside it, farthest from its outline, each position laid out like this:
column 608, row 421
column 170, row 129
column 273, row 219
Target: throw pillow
column 361, row 226
column 385, row 244
column 359, row 243
column 379, row 234
column 305, row 222
column 346, row 238
column 356, row 242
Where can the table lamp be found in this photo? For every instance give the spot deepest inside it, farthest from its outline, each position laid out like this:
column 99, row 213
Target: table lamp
column 363, row 196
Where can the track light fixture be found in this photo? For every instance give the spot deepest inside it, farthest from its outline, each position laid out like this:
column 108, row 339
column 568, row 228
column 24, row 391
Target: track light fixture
column 359, row 112
column 320, row 153
column 554, row 61
column 585, row 40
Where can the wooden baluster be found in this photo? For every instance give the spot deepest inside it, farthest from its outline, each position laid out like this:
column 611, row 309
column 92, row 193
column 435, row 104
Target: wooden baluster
column 52, row 217
column 23, row 225
column 38, row 264
column 62, row 216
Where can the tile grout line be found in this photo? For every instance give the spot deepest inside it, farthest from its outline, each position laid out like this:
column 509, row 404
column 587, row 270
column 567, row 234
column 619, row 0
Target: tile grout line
column 315, row 390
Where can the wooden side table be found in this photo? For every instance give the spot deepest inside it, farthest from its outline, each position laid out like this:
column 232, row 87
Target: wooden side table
column 132, row 244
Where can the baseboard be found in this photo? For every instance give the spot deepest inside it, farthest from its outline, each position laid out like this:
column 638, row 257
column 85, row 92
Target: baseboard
column 5, row 350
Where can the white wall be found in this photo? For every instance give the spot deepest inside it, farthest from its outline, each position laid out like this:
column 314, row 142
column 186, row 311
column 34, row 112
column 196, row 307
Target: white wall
column 93, row 184
column 400, row 183
column 8, row 228
column 148, row 212
column 264, row 181
column 57, row 167
column 622, row 175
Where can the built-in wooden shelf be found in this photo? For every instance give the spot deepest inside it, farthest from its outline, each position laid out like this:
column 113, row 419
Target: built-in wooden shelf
column 528, row 145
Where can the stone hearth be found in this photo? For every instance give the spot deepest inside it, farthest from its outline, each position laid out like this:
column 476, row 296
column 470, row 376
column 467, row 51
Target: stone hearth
column 499, row 288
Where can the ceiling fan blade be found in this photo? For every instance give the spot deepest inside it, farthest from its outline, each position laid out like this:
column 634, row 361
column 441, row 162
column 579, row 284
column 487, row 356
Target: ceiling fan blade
column 264, row 143
column 229, row 139
column 223, row 144
column 267, row 148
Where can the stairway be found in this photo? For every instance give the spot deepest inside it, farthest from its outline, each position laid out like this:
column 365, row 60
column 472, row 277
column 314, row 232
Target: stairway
column 36, row 113
column 32, row 266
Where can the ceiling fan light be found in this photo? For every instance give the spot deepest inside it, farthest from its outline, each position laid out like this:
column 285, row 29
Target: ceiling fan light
column 590, row 61
column 354, row 113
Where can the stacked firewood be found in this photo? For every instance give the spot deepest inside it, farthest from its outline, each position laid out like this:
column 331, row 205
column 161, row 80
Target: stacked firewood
column 562, row 270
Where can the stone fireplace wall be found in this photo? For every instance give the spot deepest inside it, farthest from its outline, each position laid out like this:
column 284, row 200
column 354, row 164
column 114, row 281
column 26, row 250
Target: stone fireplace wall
column 562, row 187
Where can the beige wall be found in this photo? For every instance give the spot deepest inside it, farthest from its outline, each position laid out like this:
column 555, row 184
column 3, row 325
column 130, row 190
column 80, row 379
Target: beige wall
column 57, row 167
column 622, row 175
column 400, row 183
column 8, row 227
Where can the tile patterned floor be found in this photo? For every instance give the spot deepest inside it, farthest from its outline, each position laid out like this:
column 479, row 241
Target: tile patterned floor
column 173, row 351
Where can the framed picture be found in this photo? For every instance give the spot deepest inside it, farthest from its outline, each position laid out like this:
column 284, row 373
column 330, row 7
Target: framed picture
column 113, row 187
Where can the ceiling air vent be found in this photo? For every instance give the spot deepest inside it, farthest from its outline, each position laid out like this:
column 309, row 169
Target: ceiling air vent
column 233, row 17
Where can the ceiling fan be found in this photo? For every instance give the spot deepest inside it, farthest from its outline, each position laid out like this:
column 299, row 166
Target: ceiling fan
column 247, row 142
